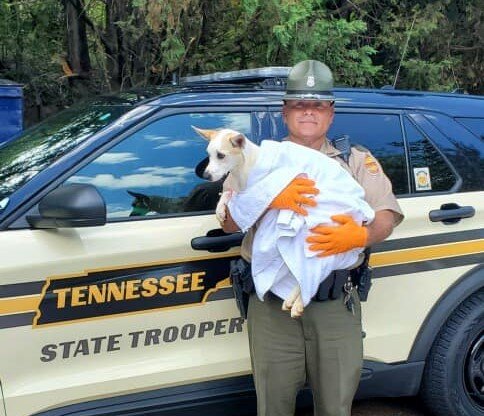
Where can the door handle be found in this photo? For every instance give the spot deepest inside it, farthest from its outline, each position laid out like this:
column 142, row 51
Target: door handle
column 451, row 213
column 217, row 241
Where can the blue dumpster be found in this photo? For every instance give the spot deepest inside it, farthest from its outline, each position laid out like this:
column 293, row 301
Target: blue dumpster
column 11, row 109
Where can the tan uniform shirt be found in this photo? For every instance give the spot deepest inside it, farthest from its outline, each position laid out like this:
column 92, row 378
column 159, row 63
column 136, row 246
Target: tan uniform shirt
column 366, row 170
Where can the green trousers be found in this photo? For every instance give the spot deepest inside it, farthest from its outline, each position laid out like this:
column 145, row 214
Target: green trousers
column 323, row 348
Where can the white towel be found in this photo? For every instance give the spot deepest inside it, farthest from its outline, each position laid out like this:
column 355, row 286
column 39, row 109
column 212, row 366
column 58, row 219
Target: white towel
column 280, row 254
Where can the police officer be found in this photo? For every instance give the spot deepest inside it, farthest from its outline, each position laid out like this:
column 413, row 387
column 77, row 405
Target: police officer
column 324, row 347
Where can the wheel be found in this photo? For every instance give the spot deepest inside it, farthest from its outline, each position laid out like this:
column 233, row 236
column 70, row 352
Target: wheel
column 453, row 380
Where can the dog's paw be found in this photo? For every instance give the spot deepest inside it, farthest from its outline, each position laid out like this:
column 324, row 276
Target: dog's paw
column 297, row 309
column 221, row 215
column 220, row 212
column 291, row 299
column 286, row 305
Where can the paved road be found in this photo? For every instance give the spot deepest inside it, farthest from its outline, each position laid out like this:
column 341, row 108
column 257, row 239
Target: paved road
column 389, row 407
column 384, row 407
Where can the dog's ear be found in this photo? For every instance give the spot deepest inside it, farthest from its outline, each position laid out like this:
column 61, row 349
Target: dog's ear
column 238, row 140
column 135, row 194
column 206, row 134
column 144, row 199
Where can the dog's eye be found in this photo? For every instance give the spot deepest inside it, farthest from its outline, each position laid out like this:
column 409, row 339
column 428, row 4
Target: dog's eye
column 220, row 155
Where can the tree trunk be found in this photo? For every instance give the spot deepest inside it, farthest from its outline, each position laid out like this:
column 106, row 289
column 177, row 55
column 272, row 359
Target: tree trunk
column 116, row 11
column 77, row 47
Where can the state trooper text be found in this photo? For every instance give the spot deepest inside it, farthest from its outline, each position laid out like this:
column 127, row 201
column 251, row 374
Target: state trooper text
column 137, row 339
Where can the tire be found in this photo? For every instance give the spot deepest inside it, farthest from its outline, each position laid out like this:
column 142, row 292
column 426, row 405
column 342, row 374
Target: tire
column 453, row 379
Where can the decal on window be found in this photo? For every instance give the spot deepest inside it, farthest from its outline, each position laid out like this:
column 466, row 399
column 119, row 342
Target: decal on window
column 422, row 179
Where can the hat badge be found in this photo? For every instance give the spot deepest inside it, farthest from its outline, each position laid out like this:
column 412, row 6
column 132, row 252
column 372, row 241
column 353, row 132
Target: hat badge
column 310, row 82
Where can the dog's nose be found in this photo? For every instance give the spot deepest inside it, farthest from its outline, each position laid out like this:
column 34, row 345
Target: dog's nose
column 207, row 175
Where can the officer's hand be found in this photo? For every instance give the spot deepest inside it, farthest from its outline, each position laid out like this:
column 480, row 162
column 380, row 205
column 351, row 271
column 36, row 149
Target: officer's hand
column 337, row 239
column 292, row 196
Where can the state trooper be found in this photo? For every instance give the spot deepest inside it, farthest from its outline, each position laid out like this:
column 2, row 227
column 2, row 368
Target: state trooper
column 324, row 347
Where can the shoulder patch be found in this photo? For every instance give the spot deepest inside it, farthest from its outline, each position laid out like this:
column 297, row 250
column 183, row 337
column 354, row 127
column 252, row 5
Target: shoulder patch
column 371, row 165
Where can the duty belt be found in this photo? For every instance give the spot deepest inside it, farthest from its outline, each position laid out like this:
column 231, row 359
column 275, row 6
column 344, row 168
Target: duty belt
column 332, row 287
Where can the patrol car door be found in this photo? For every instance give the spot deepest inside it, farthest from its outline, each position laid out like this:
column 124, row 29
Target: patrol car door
column 437, row 243
column 430, row 250
column 104, row 311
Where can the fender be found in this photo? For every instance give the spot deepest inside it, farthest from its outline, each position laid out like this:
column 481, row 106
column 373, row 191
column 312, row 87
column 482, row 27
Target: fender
column 469, row 283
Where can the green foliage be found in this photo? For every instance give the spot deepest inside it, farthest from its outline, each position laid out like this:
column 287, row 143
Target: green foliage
column 445, row 42
column 435, row 45
column 31, row 44
column 427, row 75
column 283, row 32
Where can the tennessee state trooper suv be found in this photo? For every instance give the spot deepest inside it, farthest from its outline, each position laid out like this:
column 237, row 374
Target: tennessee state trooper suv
column 114, row 289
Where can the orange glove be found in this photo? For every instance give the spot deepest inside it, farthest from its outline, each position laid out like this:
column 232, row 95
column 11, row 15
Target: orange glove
column 291, row 197
column 337, row 239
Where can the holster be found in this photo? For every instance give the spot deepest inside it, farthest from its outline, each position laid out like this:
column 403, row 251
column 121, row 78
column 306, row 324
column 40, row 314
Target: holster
column 361, row 276
column 332, row 286
column 242, row 284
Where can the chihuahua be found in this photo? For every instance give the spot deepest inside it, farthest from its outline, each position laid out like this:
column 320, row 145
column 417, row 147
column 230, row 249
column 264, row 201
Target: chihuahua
column 231, row 152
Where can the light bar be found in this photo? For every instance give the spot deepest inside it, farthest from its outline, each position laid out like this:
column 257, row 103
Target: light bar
column 242, row 75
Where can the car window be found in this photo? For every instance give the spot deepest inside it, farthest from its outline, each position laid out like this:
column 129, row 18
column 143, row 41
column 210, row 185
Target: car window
column 475, row 125
column 430, row 170
column 41, row 145
column 153, row 171
column 382, row 135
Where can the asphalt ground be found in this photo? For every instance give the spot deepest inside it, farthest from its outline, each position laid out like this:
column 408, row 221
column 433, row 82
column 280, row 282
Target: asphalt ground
column 389, row 407
column 403, row 406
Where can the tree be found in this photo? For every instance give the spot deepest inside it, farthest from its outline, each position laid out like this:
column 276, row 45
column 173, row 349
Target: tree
column 445, row 42
column 65, row 50
column 77, row 47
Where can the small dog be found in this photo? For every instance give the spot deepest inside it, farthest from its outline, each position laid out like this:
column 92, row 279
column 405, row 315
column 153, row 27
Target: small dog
column 231, row 152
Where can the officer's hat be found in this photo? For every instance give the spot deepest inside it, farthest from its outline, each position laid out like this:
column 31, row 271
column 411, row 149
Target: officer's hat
column 310, row 80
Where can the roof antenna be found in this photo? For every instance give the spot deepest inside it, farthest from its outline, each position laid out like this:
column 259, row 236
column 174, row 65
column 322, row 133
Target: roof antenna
column 404, row 51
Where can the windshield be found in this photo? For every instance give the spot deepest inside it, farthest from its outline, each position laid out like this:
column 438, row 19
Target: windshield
column 38, row 147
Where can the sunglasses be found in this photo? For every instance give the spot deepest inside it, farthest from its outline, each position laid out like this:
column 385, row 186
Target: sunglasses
column 314, row 105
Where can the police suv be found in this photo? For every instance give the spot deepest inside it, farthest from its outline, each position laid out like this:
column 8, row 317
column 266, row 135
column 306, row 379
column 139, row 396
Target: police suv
column 115, row 296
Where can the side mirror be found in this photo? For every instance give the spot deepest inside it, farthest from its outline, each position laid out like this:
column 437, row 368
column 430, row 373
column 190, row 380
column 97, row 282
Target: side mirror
column 72, row 205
